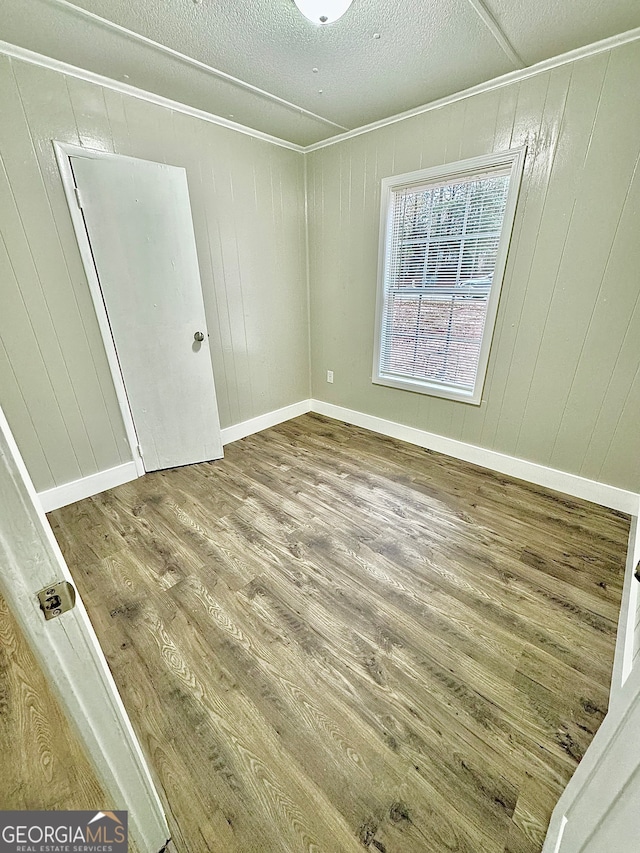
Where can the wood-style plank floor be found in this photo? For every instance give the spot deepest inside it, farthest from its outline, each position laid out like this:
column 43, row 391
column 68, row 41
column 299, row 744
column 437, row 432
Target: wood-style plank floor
column 44, row 764
column 332, row 641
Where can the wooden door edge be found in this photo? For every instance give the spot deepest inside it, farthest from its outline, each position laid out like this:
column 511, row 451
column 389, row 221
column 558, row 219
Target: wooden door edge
column 69, row 653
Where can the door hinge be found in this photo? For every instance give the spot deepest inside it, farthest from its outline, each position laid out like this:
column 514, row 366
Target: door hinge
column 57, row 599
column 78, row 197
column 139, row 449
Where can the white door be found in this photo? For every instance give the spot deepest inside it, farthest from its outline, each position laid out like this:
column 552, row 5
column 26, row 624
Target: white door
column 69, row 653
column 138, row 220
column 599, row 811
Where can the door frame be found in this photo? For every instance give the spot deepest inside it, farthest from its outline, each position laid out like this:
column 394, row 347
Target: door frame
column 627, row 639
column 624, row 698
column 69, row 653
column 593, row 761
column 64, row 151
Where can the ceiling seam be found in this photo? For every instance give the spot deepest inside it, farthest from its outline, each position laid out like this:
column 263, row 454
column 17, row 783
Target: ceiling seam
column 189, row 60
column 497, row 32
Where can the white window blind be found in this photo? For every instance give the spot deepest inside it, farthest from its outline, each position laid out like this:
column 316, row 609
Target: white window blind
column 444, row 247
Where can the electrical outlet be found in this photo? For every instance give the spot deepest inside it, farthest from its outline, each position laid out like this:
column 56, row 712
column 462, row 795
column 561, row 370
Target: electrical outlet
column 329, row 375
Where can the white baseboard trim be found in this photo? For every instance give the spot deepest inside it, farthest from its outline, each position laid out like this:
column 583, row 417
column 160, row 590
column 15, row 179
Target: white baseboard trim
column 69, row 493
column 269, row 419
column 86, row 487
column 570, row 484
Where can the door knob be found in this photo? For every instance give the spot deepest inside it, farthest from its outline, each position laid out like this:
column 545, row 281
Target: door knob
column 198, row 337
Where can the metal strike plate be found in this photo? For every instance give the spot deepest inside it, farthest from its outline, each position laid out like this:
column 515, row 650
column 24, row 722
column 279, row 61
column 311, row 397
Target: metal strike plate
column 57, row 599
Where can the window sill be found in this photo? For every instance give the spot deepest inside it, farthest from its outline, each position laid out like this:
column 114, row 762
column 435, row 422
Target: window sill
column 432, row 389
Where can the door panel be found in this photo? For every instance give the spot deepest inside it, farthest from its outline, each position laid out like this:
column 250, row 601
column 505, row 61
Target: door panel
column 604, row 817
column 71, row 658
column 138, row 220
column 598, row 812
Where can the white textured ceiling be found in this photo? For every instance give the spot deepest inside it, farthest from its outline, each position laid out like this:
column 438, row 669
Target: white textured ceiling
column 253, row 60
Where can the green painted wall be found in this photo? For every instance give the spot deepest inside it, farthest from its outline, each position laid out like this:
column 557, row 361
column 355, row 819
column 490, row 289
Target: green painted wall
column 563, row 385
column 247, row 198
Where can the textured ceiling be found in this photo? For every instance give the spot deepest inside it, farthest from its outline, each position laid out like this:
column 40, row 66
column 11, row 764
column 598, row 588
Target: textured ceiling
column 262, row 64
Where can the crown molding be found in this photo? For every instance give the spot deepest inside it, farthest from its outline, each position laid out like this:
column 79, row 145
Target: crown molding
column 25, row 55
column 489, row 86
column 33, row 58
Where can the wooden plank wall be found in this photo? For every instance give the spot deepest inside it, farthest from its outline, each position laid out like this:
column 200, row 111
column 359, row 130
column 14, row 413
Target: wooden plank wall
column 563, row 385
column 247, row 198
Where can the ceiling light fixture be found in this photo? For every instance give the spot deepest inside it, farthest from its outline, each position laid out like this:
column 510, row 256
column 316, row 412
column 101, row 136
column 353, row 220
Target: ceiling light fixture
column 323, row 11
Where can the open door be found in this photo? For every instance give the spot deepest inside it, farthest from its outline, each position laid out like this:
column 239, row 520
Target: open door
column 598, row 812
column 134, row 227
column 69, row 653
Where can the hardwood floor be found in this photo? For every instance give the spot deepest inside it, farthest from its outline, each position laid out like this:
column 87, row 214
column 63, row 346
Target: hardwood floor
column 332, row 641
column 44, row 764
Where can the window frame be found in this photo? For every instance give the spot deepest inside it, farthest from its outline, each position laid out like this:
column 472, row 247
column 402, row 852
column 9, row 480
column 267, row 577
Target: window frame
column 513, row 158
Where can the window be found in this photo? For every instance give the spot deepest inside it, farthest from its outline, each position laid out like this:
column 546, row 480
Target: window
column 443, row 245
